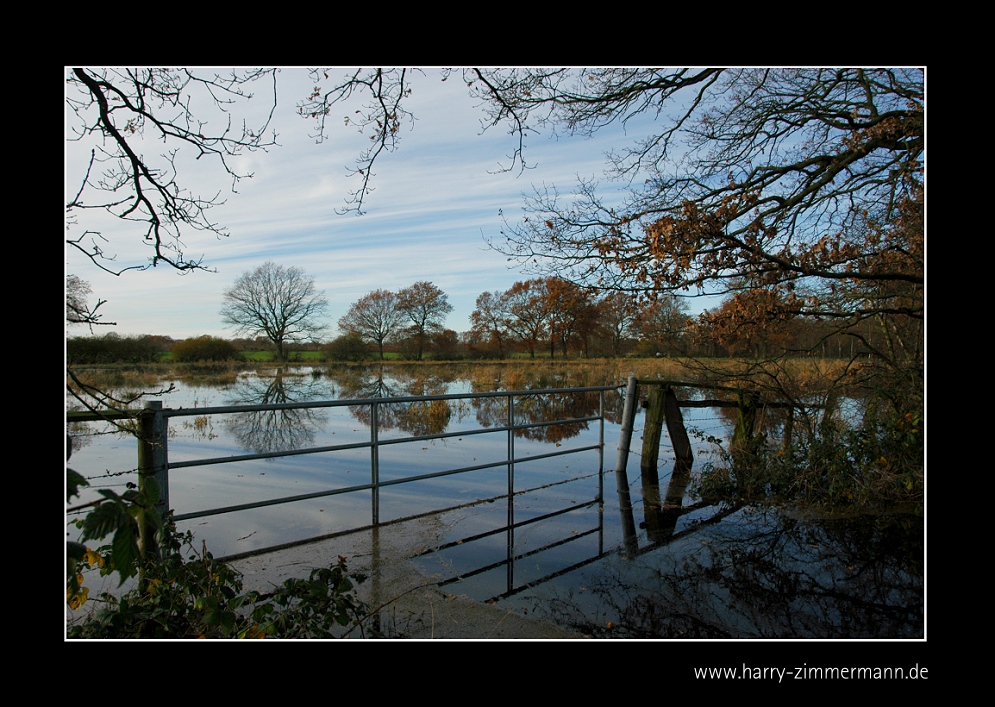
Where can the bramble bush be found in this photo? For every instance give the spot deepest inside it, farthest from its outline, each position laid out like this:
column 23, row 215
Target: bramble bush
column 879, row 462
column 185, row 593
column 189, row 594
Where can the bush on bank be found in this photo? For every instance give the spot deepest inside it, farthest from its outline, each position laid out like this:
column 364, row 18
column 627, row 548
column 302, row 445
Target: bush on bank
column 205, row 348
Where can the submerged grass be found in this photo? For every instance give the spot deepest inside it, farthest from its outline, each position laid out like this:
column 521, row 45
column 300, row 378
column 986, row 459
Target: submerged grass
column 795, row 377
column 879, row 462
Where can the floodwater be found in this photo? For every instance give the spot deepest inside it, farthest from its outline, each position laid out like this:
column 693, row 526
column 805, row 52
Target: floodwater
column 567, row 550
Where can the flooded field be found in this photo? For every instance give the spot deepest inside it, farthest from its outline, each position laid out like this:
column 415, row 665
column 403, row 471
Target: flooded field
column 560, row 549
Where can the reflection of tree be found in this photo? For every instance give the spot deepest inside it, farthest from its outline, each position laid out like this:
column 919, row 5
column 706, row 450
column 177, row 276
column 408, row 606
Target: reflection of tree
column 361, row 382
column 531, row 409
column 274, row 430
column 418, row 418
column 434, row 416
column 538, row 408
column 775, row 578
column 491, row 412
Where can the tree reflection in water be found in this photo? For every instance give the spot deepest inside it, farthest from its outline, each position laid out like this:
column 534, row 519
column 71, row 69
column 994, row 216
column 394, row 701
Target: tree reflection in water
column 760, row 573
column 265, row 431
column 426, row 417
column 538, row 408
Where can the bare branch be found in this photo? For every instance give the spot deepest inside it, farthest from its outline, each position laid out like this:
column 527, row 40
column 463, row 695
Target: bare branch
column 380, row 118
column 119, row 112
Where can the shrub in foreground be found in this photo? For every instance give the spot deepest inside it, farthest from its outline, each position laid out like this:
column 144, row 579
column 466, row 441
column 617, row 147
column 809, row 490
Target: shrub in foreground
column 196, row 596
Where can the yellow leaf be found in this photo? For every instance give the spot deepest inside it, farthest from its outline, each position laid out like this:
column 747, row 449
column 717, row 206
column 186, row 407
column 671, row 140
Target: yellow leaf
column 94, row 559
column 77, row 600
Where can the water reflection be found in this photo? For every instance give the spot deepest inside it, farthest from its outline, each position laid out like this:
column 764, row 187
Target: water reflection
column 758, row 574
column 430, row 417
column 278, row 430
column 418, row 418
column 685, row 570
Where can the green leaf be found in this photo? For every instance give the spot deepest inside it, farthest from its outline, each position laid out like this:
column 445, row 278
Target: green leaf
column 126, row 552
column 104, row 520
column 74, row 482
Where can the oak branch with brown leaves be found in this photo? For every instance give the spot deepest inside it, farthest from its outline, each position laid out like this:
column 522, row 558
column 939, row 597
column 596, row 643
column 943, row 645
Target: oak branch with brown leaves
column 795, row 193
column 785, row 178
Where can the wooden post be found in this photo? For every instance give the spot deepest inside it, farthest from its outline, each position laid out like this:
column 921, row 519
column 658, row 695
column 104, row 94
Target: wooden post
column 628, row 418
column 621, row 476
column 652, row 430
column 675, row 427
column 153, row 474
column 652, row 433
column 747, row 419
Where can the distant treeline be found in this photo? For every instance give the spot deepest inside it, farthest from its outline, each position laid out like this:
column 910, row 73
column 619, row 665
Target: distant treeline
column 648, row 336
column 112, row 348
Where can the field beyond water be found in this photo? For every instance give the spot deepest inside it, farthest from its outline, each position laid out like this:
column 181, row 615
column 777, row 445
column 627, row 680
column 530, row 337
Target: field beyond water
column 808, row 373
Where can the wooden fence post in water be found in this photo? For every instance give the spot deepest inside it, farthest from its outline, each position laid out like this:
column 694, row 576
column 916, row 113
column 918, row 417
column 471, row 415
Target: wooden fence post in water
column 622, row 461
column 652, row 430
column 152, row 470
column 628, row 418
column 675, row 427
column 662, row 405
column 652, row 434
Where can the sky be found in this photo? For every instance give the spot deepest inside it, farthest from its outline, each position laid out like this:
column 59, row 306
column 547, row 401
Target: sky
column 436, row 202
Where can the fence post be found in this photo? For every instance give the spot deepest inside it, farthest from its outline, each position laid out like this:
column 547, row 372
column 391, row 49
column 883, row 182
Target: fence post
column 511, row 445
column 621, row 476
column 652, row 434
column 747, row 418
column 628, row 418
column 601, row 446
column 652, row 430
column 675, row 427
column 510, row 533
column 375, row 461
column 152, row 468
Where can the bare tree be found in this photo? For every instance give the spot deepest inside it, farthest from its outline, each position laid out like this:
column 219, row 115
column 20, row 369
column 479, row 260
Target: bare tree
column 426, row 307
column 280, row 303
column 375, row 317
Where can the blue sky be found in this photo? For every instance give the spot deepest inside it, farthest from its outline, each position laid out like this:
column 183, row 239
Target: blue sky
column 434, row 203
